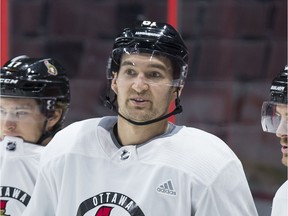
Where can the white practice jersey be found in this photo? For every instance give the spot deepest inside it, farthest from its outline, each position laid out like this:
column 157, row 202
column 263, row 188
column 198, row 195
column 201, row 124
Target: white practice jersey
column 19, row 163
column 280, row 201
column 184, row 172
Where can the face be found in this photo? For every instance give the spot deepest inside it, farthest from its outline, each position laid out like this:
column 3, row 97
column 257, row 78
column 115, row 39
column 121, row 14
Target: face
column 282, row 132
column 21, row 118
column 143, row 86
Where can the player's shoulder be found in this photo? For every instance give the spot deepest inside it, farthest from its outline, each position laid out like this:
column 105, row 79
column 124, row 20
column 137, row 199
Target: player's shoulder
column 197, row 142
column 16, row 147
column 74, row 138
column 83, row 128
column 199, row 135
column 197, row 151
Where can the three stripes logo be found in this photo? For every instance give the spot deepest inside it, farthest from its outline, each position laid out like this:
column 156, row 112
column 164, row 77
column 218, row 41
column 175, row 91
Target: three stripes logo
column 166, row 188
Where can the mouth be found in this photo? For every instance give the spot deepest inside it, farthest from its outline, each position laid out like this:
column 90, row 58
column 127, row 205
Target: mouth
column 7, row 133
column 139, row 101
column 11, row 134
column 284, row 149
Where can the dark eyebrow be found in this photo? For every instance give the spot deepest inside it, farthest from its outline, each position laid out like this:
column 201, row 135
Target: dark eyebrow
column 26, row 107
column 125, row 63
column 159, row 66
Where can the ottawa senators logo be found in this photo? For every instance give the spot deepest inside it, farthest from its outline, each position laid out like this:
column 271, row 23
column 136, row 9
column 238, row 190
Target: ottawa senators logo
column 109, row 204
column 51, row 68
column 16, row 199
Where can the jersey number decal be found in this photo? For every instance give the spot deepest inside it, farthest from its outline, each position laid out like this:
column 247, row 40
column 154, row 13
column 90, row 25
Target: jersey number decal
column 149, row 23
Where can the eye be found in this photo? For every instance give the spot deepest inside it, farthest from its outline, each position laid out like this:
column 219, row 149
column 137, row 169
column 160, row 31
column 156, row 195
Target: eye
column 130, row 72
column 2, row 112
column 155, row 74
column 21, row 113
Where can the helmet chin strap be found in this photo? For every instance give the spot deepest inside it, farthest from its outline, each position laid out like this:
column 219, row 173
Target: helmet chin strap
column 46, row 134
column 178, row 109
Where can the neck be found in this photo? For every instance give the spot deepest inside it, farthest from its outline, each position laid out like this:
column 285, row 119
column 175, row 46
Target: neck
column 130, row 134
column 45, row 141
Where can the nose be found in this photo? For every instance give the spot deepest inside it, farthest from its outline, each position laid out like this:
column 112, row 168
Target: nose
column 10, row 125
column 140, row 84
column 8, row 122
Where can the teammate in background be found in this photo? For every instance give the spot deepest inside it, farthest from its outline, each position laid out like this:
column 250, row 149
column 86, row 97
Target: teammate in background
column 34, row 99
column 275, row 120
column 138, row 163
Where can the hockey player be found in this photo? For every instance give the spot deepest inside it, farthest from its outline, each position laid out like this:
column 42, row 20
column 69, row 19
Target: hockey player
column 275, row 120
column 34, row 99
column 137, row 163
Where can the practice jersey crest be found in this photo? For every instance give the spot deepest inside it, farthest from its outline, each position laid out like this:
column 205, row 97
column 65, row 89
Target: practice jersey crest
column 12, row 196
column 109, row 204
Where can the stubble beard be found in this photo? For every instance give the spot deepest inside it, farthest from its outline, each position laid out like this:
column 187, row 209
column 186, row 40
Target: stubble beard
column 139, row 114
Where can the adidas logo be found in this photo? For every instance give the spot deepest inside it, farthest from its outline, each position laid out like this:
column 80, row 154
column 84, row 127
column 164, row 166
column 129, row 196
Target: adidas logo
column 166, row 188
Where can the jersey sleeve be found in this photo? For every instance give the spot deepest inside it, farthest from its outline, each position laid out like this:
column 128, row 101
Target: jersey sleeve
column 229, row 194
column 44, row 197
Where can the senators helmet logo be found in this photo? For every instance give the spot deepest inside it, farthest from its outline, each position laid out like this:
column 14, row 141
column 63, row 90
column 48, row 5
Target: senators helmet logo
column 51, row 68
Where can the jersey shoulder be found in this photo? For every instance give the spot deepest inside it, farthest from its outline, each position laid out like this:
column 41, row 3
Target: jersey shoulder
column 193, row 150
column 76, row 138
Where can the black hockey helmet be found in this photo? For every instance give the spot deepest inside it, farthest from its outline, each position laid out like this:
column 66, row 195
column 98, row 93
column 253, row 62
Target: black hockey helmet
column 43, row 79
column 39, row 78
column 278, row 97
column 155, row 38
column 278, row 89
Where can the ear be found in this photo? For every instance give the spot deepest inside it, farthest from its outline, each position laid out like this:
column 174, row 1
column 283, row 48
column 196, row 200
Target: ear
column 52, row 121
column 114, row 83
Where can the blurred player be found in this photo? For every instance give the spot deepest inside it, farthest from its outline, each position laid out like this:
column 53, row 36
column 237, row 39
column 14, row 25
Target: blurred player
column 275, row 120
column 34, row 99
column 137, row 163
